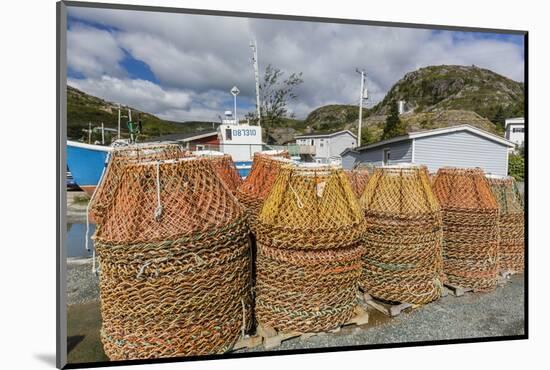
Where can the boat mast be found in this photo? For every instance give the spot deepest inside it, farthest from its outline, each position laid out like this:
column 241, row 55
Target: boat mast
column 118, row 133
column 257, row 77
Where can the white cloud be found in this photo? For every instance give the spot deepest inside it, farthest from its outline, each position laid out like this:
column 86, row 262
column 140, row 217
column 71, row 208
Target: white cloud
column 206, row 55
column 93, row 52
column 140, row 94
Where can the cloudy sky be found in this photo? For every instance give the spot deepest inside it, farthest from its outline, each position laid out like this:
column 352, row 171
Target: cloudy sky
column 181, row 67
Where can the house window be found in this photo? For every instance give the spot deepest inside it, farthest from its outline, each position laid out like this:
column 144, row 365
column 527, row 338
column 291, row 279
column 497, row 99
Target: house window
column 386, row 156
column 199, row 147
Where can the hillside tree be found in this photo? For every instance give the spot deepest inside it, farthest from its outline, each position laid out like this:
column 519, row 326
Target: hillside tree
column 275, row 94
column 393, row 127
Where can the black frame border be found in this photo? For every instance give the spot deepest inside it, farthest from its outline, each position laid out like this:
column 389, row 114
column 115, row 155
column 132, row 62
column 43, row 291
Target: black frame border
column 61, row 345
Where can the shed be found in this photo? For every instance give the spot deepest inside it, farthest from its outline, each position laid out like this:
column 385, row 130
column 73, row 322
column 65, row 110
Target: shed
column 463, row 146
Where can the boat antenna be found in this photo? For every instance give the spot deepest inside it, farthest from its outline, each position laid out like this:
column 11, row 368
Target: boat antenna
column 254, row 48
column 118, row 133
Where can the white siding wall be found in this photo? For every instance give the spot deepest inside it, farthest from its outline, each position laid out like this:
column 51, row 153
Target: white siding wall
column 461, row 149
column 339, row 143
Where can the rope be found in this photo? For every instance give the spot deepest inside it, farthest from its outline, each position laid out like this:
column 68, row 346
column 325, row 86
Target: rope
column 243, row 326
column 158, row 210
column 300, row 204
column 94, row 270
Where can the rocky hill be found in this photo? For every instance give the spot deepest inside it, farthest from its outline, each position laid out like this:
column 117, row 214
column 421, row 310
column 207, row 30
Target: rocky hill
column 445, row 87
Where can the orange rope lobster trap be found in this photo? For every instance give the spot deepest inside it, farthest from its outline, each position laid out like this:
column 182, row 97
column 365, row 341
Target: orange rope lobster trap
column 225, row 168
column 175, row 268
column 403, row 260
column 358, row 179
column 258, row 183
column 118, row 159
column 511, row 223
column 470, row 228
column 309, row 251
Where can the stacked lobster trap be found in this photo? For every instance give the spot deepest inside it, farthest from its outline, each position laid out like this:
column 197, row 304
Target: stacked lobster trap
column 470, row 228
column 511, row 223
column 403, row 260
column 308, row 251
column 224, row 167
column 358, row 179
column 255, row 188
column 118, row 159
column 175, row 266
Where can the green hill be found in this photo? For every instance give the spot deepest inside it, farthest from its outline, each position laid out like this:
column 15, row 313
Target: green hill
column 83, row 108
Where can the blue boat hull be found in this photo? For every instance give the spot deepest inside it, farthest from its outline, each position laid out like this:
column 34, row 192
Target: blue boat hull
column 243, row 168
column 86, row 163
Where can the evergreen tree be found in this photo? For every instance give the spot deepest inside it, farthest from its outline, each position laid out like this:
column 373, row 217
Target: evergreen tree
column 394, row 127
column 366, row 136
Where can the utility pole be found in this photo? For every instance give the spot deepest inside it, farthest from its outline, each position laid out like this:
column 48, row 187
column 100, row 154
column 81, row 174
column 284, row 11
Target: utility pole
column 235, row 91
column 118, row 134
column 362, row 96
column 257, row 77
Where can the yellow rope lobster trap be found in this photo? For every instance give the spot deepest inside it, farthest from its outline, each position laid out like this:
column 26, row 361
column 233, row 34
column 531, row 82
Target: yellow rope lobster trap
column 403, row 258
column 173, row 248
column 470, row 228
column 255, row 188
column 511, row 223
column 308, row 251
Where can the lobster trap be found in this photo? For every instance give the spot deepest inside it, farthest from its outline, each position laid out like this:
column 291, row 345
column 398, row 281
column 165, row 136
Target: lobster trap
column 308, row 251
column 119, row 157
column 225, row 168
column 470, row 228
column 358, row 179
column 174, row 253
column 403, row 257
column 255, row 188
column 511, row 223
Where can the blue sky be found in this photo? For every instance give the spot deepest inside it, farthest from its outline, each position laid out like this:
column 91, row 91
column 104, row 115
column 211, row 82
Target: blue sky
column 181, row 67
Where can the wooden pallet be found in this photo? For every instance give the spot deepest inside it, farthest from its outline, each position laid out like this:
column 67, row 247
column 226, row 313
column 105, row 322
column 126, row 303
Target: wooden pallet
column 387, row 309
column 458, row 291
column 273, row 339
column 249, row 341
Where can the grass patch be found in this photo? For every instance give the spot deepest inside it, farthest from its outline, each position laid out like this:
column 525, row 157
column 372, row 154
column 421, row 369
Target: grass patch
column 81, row 199
column 83, row 340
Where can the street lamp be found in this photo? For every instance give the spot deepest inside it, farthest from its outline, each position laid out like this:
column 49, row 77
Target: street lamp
column 235, row 91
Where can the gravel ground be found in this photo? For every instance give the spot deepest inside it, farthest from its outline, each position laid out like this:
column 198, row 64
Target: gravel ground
column 473, row 315
column 82, row 283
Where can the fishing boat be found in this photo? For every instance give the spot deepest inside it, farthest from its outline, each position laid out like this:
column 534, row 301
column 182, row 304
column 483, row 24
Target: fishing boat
column 86, row 163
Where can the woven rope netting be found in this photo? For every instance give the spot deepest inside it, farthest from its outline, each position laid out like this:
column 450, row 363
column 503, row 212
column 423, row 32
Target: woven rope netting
column 175, row 267
column 358, row 180
column 309, row 251
column 258, row 183
column 403, row 258
column 118, row 159
column 511, row 223
column 470, row 228
column 225, row 168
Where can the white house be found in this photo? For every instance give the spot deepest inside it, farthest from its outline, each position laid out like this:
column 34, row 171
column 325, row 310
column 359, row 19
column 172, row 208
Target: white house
column 515, row 128
column 326, row 147
column 463, row 146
